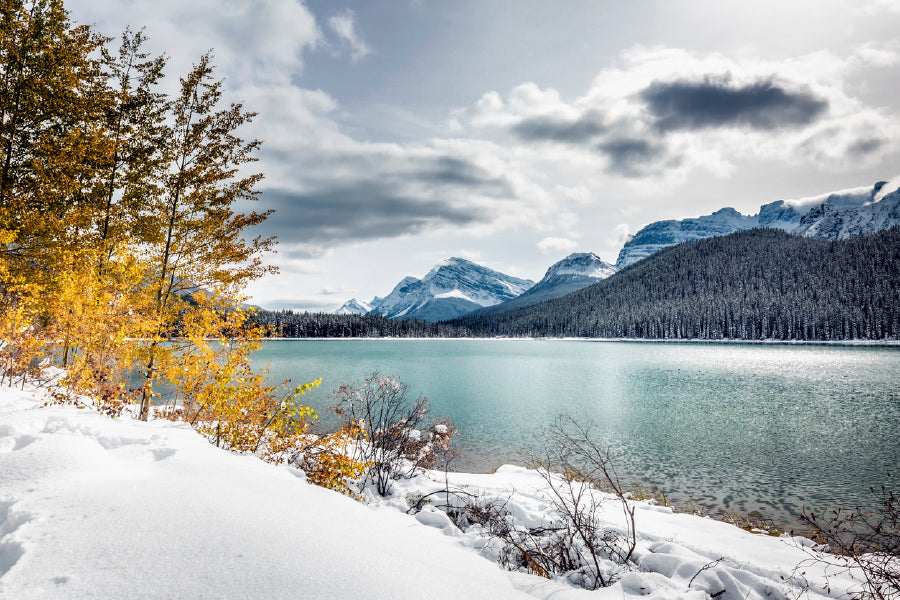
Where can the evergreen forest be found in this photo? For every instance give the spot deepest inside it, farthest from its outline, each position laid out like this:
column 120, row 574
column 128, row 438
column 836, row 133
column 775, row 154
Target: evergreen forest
column 752, row 285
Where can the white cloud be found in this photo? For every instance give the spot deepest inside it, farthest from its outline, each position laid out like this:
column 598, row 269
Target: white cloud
column 877, row 7
column 550, row 245
column 338, row 291
column 344, row 26
column 621, row 233
column 472, row 255
column 578, row 194
column 255, row 41
column 879, row 54
column 888, row 188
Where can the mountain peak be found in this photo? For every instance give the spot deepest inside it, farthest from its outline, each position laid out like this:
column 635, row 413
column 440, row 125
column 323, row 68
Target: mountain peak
column 586, row 264
column 571, row 274
column 727, row 212
column 353, row 307
column 454, row 262
column 452, row 287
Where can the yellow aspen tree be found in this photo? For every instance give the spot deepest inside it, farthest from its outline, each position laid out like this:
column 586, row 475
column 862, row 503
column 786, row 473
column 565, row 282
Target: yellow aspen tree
column 135, row 114
column 97, row 316
column 50, row 132
column 127, row 160
column 193, row 228
column 217, row 390
column 118, row 215
column 50, row 138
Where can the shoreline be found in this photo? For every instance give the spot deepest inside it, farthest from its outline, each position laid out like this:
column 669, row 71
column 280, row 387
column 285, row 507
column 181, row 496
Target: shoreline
column 264, row 512
column 680, row 502
column 768, row 342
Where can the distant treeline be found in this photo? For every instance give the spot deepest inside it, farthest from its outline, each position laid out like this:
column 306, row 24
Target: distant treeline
column 287, row 323
column 752, row 285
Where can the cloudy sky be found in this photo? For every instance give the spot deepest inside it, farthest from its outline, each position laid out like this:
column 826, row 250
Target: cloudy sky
column 398, row 133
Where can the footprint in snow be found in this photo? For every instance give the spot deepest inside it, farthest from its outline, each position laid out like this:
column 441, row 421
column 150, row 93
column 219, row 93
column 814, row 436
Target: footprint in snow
column 162, row 453
column 10, row 550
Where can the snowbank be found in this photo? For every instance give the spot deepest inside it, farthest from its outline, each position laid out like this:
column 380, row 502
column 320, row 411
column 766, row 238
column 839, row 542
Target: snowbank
column 97, row 508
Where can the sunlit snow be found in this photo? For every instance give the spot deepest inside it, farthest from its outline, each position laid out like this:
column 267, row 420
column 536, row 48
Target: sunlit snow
column 92, row 507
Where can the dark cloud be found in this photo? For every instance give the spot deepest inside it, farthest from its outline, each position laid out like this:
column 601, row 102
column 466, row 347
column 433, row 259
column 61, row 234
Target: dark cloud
column 448, row 170
column 865, row 147
column 356, row 211
column 351, row 197
column 713, row 103
column 537, row 129
column 629, row 156
column 302, row 253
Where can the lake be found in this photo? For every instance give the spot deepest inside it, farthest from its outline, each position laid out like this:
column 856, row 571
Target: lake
column 746, row 427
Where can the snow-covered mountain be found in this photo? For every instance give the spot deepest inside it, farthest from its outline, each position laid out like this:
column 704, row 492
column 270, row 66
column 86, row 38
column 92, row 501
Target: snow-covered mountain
column 826, row 221
column 572, row 273
column 656, row 236
column 845, row 213
column 452, row 288
column 354, row 307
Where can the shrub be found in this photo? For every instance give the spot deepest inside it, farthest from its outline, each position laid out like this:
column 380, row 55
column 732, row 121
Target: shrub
column 394, row 435
column 576, row 542
column 328, row 461
column 575, row 467
column 865, row 544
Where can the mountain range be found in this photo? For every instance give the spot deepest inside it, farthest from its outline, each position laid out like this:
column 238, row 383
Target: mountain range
column 760, row 284
column 837, row 215
column 457, row 287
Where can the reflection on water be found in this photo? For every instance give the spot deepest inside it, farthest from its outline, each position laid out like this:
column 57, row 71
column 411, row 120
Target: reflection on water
column 745, row 427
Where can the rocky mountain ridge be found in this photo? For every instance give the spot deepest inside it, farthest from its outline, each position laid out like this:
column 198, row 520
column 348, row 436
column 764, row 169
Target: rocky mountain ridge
column 452, row 288
column 574, row 272
column 837, row 215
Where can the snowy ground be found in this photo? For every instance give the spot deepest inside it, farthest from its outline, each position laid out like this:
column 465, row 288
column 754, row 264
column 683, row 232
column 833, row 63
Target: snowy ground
column 92, row 507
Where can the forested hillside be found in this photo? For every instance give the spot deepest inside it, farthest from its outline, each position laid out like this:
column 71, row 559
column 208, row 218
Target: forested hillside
column 757, row 284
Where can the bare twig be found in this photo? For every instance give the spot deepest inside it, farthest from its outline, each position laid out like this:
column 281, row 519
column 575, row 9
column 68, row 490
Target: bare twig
column 709, row 565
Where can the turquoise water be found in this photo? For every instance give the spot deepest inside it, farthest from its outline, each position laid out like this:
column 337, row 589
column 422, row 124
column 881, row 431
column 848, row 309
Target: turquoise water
column 746, row 427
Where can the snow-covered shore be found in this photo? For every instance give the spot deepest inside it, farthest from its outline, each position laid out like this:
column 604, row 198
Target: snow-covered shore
column 92, row 507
